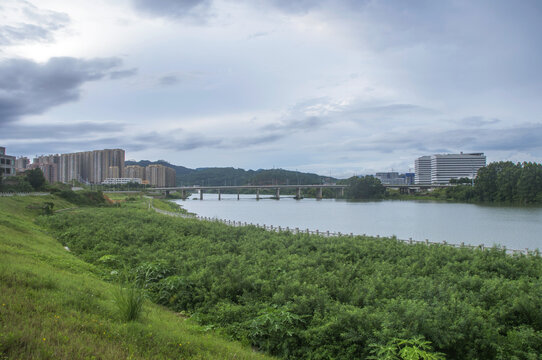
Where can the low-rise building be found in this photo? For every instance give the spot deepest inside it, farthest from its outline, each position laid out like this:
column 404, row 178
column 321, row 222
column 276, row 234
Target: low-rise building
column 7, row 163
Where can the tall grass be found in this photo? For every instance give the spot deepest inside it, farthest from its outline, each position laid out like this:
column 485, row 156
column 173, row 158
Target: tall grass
column 129, row 302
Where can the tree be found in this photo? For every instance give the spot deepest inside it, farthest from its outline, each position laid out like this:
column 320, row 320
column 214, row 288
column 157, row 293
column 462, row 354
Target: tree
column 367, row 187
column 35, row 178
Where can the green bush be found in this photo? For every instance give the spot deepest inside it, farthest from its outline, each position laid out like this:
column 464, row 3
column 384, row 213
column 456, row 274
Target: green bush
column 311, row 297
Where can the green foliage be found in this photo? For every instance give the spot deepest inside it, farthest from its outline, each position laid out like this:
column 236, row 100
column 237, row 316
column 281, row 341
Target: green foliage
column 311, row 297
column 411, row 349
column 501, row 182
column 276, row 330
column 367, row 187
column 84, row 197
column 129, row 302
column 35, row 178
column 16, row 184
column 54, row 306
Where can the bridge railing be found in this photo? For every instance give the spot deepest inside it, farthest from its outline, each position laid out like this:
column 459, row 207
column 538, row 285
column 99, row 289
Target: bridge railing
column 297, row 230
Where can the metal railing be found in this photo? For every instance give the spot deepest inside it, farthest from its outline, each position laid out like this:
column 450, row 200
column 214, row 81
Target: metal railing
column 296, row 230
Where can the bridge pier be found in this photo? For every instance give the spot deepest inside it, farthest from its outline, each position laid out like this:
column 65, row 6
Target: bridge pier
column 183, row 195
column 201, row 194
column 342, row 192
column 277, row 195
column 258, row 194
column 237, row 195
column 219, row 195
column 167, row 193
column 319, row 194
column 298, row 194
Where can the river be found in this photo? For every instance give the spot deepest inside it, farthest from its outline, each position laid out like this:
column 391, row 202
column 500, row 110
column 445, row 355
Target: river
column 513, row 227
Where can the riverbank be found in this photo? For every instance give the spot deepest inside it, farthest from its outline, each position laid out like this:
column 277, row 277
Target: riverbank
column 299, row 295
column 53, row 305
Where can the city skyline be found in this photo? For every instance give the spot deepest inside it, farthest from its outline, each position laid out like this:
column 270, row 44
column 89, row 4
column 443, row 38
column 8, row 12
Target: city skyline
column 336, row 88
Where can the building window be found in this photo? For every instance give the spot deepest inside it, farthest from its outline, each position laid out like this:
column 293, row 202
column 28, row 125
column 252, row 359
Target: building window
column 8, row 171
column 8, row 161
column 2, row 161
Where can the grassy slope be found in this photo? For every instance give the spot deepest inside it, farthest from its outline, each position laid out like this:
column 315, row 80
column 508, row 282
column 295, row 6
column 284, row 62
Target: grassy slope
column 54, row 306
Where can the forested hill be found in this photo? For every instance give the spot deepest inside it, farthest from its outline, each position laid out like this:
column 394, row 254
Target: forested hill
column 217, row 176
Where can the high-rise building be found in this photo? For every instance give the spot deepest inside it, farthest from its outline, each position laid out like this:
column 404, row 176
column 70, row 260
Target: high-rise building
column 160, row 175
column 441, row 168
column 134, row 172
column 422, row 170
column 454, row 166
column 7, row 163
column 88, row 167
column 21, row 163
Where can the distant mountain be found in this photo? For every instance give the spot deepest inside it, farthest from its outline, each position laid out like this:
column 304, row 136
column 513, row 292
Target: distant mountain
column 216, row 176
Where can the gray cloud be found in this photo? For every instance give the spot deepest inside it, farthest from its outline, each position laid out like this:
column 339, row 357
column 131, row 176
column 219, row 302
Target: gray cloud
column 425, row 141
column 70, row 131
column 308, row 124
column 64, row 146
column 174, row 9
column 39, row 26
column 295, row 6
column 115, row 75
column 168, row 80
column 477, row 121
column 27, row 87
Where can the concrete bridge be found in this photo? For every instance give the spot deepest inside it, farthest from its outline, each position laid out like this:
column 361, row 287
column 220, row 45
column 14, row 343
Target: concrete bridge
column 414, row 188
column 257, row 188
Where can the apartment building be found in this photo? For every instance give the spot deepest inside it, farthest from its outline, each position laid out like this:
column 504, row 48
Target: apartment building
column 160, row 175
column 91, row 167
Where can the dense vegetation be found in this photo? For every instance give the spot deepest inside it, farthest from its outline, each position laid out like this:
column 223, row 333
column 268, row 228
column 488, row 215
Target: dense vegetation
column 30, row 180
column 310, row 297
column 501, row 182
column 365, row 187
column 55, row 306
column 214, row 176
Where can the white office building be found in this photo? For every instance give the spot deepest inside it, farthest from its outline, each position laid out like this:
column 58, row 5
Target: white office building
column 441, row 168
column 454, row 166
column 422, row 168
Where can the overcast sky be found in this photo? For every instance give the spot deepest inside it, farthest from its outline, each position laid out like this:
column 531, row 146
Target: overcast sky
column 333, row 87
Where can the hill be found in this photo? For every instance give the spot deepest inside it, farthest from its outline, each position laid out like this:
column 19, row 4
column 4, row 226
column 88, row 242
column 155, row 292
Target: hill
column 218, row 176
column 53, row 305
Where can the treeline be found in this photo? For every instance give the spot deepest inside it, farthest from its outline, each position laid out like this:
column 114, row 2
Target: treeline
column 309, row 297
column 503, row 182
column 227, row 176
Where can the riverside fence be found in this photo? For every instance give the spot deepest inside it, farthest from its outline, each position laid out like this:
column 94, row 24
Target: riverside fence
column 25, row 194
column 336, row 234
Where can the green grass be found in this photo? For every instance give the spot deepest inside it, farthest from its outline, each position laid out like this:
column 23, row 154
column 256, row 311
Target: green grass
column 55, row 306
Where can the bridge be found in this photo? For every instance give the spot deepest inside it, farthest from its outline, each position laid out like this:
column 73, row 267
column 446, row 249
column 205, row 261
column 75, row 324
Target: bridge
column 257, row 188
column 414, row 188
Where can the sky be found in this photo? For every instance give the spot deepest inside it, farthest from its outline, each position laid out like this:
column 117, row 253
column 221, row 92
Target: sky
column 336, row 87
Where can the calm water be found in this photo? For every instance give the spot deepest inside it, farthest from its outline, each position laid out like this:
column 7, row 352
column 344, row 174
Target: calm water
column 513, row 227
